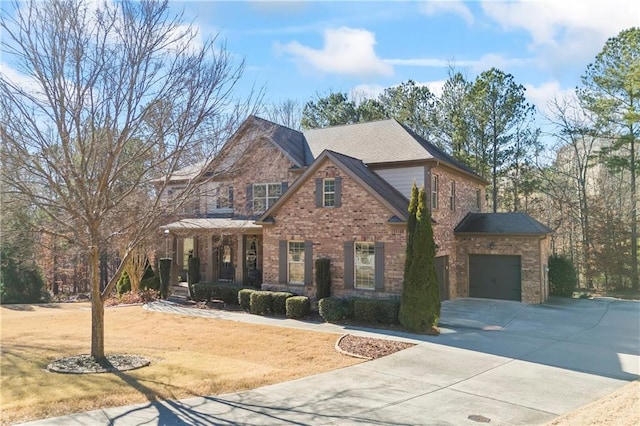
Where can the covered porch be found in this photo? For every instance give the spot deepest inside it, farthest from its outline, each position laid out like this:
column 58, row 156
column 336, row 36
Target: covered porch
column 230, row 250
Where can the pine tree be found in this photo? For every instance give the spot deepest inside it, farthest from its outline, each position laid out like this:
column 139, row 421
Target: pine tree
column 420, row 302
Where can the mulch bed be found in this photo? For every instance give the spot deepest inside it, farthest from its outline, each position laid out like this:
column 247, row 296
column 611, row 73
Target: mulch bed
column 86, row 364
column 369, row 348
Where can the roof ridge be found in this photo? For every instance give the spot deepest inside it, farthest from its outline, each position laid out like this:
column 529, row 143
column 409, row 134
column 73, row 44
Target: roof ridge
column 351, row 124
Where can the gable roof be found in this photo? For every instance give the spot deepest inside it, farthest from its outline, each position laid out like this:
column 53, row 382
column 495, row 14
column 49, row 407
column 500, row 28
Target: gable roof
column 517, row 223
column 291, row 142
column 384, row 141
column 383, row 191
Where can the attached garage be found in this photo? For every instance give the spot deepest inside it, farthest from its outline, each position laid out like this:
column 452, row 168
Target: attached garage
column 495, row 277
column 501, row 256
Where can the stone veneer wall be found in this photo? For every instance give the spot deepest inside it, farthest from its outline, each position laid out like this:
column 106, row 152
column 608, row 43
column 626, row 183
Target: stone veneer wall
column 533, row 252
column 447, row 219
column 360, row 218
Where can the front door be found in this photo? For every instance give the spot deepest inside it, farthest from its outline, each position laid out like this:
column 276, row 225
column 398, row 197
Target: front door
column 226, row 271
column 252, row 261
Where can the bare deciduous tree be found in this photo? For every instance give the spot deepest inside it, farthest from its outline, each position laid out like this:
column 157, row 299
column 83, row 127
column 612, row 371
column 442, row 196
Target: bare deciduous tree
column 111, row 101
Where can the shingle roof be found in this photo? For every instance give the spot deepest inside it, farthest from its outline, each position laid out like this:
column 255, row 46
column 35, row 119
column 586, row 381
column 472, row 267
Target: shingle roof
column 379, row 142
column 501, row 223
column 290, row 141
column 379, row 187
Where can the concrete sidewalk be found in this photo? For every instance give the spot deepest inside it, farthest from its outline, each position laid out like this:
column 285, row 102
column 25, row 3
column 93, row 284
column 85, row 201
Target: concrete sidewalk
column 503, row 361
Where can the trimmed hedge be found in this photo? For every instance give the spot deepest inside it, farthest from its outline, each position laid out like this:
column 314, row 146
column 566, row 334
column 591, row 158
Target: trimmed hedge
column 124, row 284
column 279, row 302
column 150, row 283
column 260, row 302
column 298, row 307
column 333, row 309
column 213, row 291
column 193, row 274
column 373, row 311
column 244, row 298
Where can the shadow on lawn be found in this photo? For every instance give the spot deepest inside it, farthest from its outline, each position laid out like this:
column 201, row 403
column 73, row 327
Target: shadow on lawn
column 27, row 307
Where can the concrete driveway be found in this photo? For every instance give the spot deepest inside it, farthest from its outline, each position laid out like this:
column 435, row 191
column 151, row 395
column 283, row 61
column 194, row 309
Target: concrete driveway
column 496, row 361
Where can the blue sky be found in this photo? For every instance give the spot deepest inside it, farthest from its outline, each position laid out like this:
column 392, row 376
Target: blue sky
column 299, row 49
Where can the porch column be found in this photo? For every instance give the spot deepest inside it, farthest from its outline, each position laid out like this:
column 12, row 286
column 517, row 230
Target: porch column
column 208, row 255
column 240, row 260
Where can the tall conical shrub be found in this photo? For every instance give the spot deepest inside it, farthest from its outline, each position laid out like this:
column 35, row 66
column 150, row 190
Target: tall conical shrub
column 420, row 301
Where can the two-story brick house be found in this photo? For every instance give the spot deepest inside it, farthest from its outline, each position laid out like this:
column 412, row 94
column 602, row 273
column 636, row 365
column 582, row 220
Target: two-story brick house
column 342, row 193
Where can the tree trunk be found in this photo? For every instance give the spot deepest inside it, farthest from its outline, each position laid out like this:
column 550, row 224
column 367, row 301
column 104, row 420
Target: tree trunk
column 634, row 214
column 97, row 306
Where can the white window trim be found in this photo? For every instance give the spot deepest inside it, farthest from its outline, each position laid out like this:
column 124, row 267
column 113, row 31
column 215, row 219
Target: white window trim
column 435, row 187
column 371, row 286
column 290, row 262
column 452, row 196
column 266, row 198
column 324, row 193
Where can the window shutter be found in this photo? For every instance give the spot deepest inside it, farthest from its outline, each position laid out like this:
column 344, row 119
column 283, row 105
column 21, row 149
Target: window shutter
column 250, row 198
column 379, row 260
column 348, row 264
column 308, row 262
column 284, row 187
column 282, row 262
column 338, row 191
column 319, row 192
column 231, row 196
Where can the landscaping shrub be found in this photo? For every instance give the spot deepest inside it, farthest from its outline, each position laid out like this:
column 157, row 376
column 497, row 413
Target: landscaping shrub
column 298, row 307
column 193, row 274
column 333, row 309
column 562, row 276
column 376, row 311
column 279, row 302
column 164, row 268
column 244, row 298
column 214, row 291
column 260, row 302
column 124, row 284
column 150, row 283
column 323, row 278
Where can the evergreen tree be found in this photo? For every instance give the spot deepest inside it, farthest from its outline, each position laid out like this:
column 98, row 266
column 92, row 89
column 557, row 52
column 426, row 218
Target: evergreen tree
column 420, row 302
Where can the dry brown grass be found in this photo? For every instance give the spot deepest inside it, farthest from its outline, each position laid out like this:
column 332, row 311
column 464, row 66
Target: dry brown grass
column 190, row 357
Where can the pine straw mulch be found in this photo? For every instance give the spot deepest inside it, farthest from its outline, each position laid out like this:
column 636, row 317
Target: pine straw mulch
column 369, row 348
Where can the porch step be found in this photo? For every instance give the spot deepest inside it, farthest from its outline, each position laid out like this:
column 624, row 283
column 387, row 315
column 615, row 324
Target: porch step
column 180, row 292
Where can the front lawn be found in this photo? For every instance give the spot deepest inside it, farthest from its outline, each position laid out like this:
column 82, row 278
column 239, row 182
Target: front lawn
column 190, row 357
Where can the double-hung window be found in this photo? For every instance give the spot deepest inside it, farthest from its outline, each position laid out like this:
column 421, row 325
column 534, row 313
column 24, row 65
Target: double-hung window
column 365, row 265
column 435, row 183
column 264, row 195
column 296, row 262
column 329, row 192
column 452, row 196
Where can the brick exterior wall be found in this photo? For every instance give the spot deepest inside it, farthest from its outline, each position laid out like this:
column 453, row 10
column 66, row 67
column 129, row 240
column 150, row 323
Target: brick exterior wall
column 533, row 252
column 360, row 218
column 447, row 219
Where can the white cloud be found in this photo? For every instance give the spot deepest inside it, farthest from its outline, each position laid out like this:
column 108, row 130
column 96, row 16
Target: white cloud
column 346, row 51
column 541, row 96
column 477, row 65
column 568, row 30
column 372, row 91
column 453, row 6
column 25, row 82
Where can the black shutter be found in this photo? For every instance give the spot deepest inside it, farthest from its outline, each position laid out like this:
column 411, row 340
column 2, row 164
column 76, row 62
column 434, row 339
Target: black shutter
column 319, row 192
column 231, row 196
column 308, row 262
column 379, row 260
column 348, row 264
column 338, row 191
column 282, row 262
column 250, row 199
column 284, row 186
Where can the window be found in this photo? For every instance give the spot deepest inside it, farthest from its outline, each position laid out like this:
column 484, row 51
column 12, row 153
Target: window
column 435, row 180
column 224, row 200
column 452, row 196
column 187, row 251
column 365, row 271
column 329, row 193
column 296, row 262
column 264, row 195
column 479, row 199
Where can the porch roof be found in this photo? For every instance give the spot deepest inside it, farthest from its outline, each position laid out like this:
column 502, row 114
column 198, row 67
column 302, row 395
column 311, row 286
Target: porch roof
column 210, row 224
